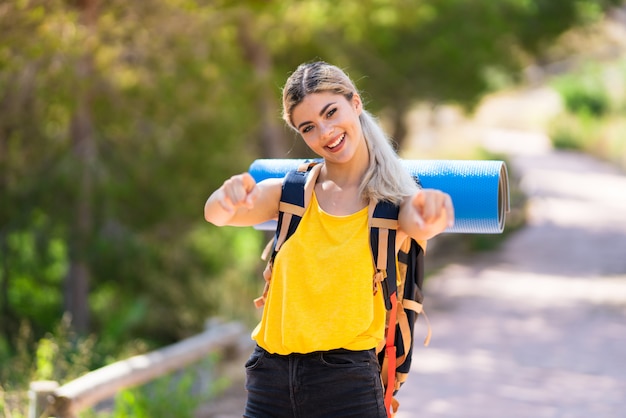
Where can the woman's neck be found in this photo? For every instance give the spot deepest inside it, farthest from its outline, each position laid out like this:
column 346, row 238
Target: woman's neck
column 347, row 174
column 338, row 186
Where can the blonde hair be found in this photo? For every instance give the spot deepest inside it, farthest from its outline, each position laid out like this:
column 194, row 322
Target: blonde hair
column 385, row 178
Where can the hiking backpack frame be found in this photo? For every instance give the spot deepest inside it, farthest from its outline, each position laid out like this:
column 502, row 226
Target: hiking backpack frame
column 401, row 283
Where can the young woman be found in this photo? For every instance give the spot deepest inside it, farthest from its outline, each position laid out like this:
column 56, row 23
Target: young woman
column 315, row 354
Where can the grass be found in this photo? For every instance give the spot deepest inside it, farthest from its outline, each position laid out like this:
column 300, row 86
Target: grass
column 594, row 116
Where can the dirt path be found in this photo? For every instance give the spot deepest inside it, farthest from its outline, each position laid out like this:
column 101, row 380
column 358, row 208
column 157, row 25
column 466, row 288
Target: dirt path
column 537, row 328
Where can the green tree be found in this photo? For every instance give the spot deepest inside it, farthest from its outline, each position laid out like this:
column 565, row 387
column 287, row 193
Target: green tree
column 115, row 128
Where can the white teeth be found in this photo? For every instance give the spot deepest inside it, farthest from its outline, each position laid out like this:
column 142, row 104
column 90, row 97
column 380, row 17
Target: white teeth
column 337, row 142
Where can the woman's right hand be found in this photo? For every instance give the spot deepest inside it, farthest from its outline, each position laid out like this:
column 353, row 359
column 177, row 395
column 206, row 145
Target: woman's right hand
column 241, row 201
column 239, row 190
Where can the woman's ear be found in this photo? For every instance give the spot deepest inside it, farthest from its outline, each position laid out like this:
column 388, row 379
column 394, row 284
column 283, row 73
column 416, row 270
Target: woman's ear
column 356, row 102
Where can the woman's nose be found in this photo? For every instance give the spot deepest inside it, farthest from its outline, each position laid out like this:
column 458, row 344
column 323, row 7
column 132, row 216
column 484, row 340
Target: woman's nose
column 327, row 130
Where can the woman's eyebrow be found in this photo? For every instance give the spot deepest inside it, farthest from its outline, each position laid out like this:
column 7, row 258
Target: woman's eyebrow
column 321, row 113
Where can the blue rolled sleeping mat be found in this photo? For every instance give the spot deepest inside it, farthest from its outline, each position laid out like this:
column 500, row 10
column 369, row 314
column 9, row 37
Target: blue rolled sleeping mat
column 479, row 188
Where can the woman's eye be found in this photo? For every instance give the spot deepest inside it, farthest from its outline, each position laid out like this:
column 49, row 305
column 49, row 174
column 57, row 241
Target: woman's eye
column 331, row 112
column 307, row 129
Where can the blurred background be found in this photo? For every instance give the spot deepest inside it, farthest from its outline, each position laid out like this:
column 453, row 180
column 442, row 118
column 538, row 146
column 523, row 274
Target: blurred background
column 118, row 119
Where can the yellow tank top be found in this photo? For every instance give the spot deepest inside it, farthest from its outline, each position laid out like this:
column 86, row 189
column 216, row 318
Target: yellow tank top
column 321, row 295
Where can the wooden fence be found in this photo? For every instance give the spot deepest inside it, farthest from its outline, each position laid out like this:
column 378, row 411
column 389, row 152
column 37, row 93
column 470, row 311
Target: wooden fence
column 48, row 399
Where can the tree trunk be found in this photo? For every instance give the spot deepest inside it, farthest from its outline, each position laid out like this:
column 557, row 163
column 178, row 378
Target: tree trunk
column 4, row 220
column 5, row 311
column 16, row 100
column 83, row 148
column 398, row 128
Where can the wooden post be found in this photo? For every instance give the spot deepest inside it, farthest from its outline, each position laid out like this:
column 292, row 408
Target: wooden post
column 38, row 395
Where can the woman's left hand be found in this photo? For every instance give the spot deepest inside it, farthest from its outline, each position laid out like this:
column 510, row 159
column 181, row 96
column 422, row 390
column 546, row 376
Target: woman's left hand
column 427, row 213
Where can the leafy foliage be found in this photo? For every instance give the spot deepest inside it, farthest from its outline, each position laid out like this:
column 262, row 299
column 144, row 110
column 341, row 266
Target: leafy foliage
column 162, row 143
column 592, row 120
column 584, row 94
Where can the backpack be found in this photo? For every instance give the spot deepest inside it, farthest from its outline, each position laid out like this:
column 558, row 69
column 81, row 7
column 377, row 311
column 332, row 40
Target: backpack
column 401, row 286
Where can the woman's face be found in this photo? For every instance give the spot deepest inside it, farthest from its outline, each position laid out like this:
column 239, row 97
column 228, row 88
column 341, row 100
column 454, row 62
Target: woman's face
column 329, row 124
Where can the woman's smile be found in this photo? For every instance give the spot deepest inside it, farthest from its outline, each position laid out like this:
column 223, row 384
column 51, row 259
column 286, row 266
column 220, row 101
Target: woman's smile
column 333, row 146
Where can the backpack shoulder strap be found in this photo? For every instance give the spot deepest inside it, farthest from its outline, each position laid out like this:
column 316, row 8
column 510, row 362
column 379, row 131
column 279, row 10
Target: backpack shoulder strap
column 295, row 196
column 383, row 223
column 383, row 228
column 294, row 199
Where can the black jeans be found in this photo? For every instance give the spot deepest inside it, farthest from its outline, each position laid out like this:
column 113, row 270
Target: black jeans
column 327, row 384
